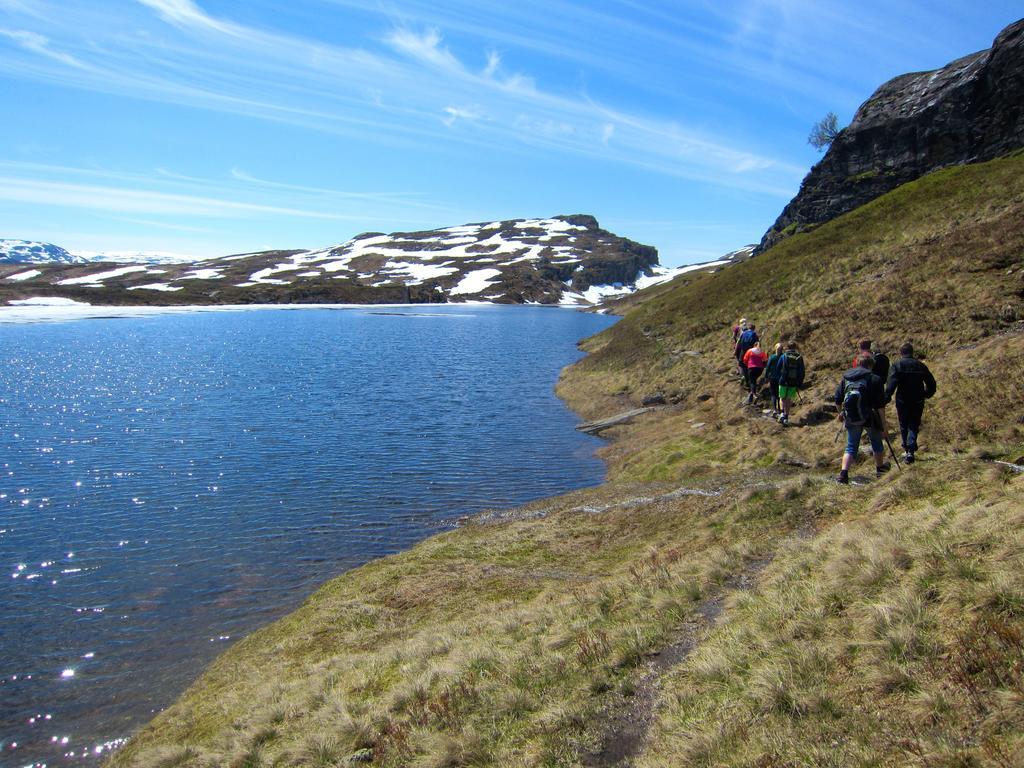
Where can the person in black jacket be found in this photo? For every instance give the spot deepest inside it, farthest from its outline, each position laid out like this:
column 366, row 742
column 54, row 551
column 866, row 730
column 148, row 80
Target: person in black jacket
column 858, row 397
column 912, row 383
column 881, row 364
column 881, row 369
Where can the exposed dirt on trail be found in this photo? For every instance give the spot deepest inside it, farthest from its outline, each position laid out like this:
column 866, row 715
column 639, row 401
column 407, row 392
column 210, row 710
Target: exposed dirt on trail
column 626, row 721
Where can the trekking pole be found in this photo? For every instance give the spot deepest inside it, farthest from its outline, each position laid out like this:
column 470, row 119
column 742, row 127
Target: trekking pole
column 885, row 435
column 892, row 451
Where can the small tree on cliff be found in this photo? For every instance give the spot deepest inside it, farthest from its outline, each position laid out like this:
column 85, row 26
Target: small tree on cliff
column 824, row 132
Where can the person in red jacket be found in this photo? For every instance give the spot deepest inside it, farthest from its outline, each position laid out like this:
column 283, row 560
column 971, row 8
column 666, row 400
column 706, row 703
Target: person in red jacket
column 754, row 360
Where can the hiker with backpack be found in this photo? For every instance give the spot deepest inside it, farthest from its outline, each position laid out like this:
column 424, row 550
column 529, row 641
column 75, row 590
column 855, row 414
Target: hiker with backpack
column 740, row 327
column 746, row 341
column 790, row 371
column 912, row 383
column 881, row 370
column 858, row 397
column 772, row 375
column 737, row 331
column 881, row 359
column 754, row 360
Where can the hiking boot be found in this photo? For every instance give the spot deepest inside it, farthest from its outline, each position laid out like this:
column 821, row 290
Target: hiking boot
column 908, row 457
column 750, row 399
column 783, row 420
column 882, row 469
column 844, row 478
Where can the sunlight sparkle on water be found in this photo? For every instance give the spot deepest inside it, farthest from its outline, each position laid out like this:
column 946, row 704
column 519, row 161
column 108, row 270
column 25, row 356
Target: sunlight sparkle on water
column 238, row 517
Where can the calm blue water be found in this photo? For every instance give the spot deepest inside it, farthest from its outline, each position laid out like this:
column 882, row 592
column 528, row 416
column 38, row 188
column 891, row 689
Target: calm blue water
column 170, row 483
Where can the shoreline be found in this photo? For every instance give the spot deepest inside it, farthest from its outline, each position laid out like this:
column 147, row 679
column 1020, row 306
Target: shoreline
column 61, row 312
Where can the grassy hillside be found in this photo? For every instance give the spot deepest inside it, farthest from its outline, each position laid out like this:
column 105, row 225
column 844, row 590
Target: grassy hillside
column 939, row 261
column 714, row 603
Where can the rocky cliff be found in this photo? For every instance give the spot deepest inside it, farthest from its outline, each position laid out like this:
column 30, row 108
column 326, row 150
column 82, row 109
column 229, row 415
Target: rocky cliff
column 969, row 111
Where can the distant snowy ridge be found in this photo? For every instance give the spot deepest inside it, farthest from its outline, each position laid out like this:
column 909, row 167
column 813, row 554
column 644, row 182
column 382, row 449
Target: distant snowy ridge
column 566, row 260
column 136, row 257
column 514, row 261
column 30, row 252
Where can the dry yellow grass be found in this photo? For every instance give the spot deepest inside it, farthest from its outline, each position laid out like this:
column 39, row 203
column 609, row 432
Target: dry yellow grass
column 891, row 639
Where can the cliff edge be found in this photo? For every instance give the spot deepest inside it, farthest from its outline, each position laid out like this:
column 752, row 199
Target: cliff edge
column 969, row 111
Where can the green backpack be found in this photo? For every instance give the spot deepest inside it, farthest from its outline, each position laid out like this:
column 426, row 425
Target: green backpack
column 792, row 369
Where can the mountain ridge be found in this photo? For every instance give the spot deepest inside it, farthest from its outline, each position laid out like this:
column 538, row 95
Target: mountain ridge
column 559, row 260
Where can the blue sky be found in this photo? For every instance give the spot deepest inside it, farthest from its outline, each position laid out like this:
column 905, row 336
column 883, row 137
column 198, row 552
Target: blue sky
column 209, row 127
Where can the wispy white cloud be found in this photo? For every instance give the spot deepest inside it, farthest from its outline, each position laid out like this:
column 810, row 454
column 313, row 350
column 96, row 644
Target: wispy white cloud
column 545, row 127
column 405, row 198
column 493, row 62
column 40, row 44
column 237, row 196
column 424, row 47
column 154, row 224
column 170, row 211
column 459, row 113
column 126, row 200
column 186, row 13
column 395, row 95
column 19, row 6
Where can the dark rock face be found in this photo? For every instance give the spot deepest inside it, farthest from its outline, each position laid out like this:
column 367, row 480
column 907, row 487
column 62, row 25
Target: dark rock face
column 971, row 110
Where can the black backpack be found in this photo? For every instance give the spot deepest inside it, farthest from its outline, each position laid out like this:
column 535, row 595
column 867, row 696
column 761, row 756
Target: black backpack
column 855, row 402
column 790, row 367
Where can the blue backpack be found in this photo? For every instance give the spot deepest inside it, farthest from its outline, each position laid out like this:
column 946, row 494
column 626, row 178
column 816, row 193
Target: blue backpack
column 747, row 339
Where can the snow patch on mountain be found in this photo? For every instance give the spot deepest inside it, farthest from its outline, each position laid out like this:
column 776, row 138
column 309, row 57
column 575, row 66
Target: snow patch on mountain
column 475, row 282
column 24, row 275
column 99, row 277
column 417, row 273
column 202, row 274
column 155, row 287
column 665, row 274
column 47, row 301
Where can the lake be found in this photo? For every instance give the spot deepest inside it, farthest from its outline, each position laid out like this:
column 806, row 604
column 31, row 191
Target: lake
column 168, row 483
